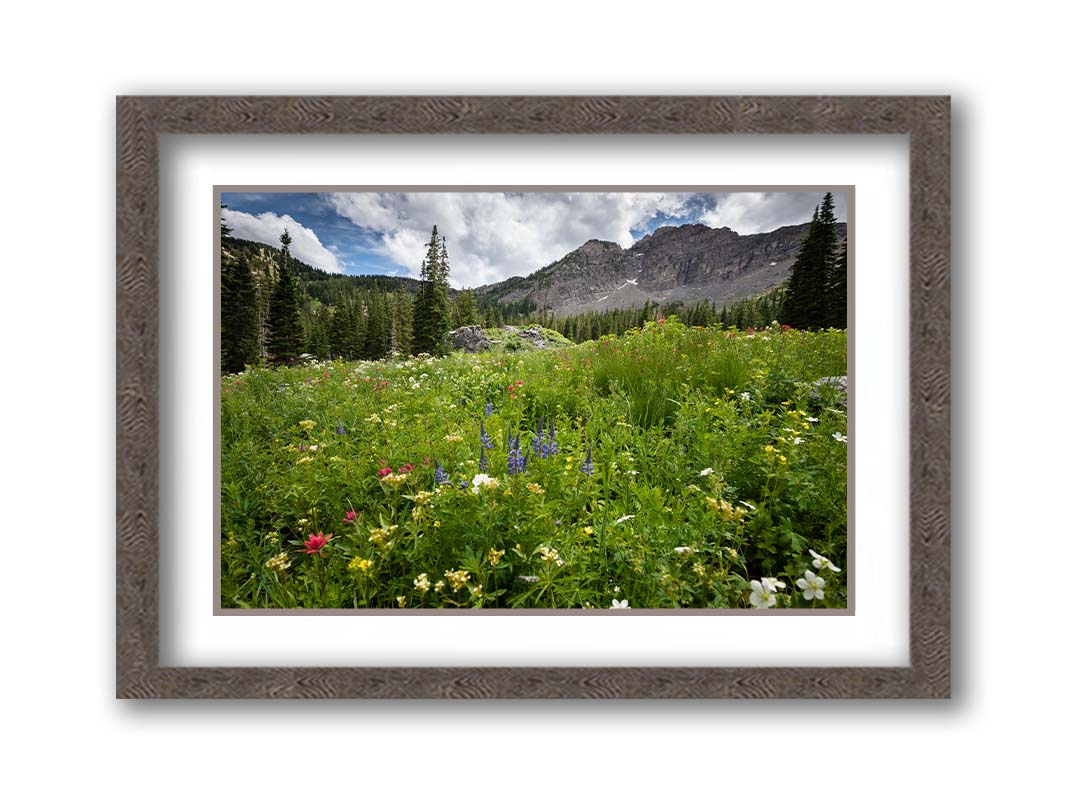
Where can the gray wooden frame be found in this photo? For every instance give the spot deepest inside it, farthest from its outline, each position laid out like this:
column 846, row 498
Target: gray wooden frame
column 140, row 122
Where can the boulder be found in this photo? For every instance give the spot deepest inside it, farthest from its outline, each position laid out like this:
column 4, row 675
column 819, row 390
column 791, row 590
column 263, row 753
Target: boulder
column 469, row 339
column 534, row 335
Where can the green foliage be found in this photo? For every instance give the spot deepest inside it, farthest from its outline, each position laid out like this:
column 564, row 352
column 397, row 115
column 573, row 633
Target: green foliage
column 466, row 312
column 433, row 310
column 239, row 331
column 732, row 478
column 816, row 295
column 285, row 333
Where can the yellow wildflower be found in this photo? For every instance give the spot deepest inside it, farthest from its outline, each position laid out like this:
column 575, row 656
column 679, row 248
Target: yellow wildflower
column 394, row 479
column 495, row 556
column 307, row 424
column 452, row 438
column 457, row 578
column 535, row 488
column 363, row 565
column 279, row 563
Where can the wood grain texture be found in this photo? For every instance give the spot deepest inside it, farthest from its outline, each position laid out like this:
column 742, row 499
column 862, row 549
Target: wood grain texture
column 140, row 122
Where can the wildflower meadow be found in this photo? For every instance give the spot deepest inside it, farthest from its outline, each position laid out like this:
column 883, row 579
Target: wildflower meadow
column 671, row 467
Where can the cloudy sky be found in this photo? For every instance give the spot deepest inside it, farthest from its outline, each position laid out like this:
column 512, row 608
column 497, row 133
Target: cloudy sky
column 490, row 235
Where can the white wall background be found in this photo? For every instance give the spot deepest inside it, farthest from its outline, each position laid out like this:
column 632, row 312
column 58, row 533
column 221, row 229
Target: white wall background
column 1001, row 731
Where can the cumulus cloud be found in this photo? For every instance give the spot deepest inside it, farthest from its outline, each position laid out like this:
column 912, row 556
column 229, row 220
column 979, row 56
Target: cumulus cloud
column 267, row 228
column 759, row 212
column 495, row 235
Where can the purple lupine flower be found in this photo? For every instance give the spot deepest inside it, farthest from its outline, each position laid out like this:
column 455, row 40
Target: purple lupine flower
column 537, row 437
column 340, row 428
column 464, row 484
column 487, row 443
column 587, row 466
column 483, row 462
column 440, row 477
column 516, row 460
column 548, row 446
column 489, row 408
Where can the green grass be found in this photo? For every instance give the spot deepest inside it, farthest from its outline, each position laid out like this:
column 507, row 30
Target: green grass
column 651, row 410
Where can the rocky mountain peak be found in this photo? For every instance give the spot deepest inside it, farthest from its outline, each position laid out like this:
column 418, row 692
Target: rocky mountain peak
column 683, row 263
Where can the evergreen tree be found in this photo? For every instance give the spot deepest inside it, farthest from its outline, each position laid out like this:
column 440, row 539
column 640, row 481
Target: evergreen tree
column 805, row 304
column 225, row 229
column 377, row 337
column 285, row 333
column 837, row 289
column 432, row 313
column 466, row 309
column 404, row 315
column 240, row 342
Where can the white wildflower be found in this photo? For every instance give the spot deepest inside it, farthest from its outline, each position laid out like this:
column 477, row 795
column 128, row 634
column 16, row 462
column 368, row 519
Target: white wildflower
column 621, row 520
column 840, row 437
column 481, row 479
column 706, row 472
column 812, row 585
column 762, row 595
column 617, row 604
column 822, row 562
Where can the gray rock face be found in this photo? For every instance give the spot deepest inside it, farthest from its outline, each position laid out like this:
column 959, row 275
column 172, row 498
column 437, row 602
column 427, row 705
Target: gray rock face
column 469, row 338
column 835, row 386
column 683, row 263
column 535, row 336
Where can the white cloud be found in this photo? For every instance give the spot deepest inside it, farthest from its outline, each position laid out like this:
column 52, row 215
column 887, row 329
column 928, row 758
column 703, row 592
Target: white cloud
column 759, row 212
column 267, row 228
column 495, row 235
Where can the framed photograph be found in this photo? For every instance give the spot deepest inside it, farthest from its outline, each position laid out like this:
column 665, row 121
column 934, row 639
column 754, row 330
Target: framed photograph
column 533, row 397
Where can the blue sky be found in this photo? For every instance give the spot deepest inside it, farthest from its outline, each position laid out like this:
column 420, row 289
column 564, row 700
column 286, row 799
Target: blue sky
column 491, row 235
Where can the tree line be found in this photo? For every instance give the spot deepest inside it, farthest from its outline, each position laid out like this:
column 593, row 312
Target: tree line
column 276, row 308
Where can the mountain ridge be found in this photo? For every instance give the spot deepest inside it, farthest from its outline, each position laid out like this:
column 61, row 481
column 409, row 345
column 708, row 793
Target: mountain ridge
column 674, row 263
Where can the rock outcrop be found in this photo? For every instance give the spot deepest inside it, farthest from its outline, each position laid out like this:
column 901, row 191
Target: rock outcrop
column 676, row 263
column 469, row 338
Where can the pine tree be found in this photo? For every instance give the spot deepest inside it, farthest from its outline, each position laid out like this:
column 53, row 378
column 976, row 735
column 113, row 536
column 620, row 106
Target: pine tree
column 239, row 335
column 432, row 313
column 225, row 229
column 806, row 298
column 377, row 337
column 285, row 333
column 466, row 309
column 837, row 289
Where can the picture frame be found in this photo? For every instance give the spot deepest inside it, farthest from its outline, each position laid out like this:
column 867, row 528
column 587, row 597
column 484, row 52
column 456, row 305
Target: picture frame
column 142, row 120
